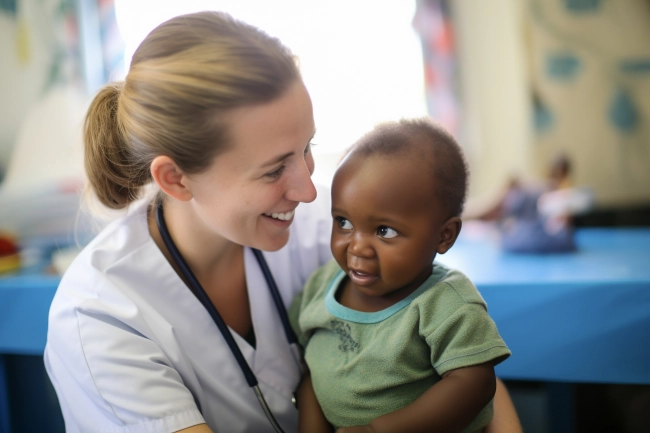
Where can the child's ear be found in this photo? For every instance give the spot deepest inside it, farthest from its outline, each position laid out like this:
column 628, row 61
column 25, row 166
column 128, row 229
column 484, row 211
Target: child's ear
column 449, row 233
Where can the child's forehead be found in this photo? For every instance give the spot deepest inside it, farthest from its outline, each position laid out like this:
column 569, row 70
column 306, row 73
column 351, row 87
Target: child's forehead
column 408, row 162
column 404, row 177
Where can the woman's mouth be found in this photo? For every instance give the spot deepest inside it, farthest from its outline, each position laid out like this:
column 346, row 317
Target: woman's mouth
column 281, row 220
column 286, row 216
column 361, row 278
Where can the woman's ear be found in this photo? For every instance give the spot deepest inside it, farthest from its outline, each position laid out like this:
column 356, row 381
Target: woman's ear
column 169, row 178
column 449, row 233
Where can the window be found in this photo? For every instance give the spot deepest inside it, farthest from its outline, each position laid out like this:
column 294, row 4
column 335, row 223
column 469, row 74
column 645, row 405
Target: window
column 361, row 59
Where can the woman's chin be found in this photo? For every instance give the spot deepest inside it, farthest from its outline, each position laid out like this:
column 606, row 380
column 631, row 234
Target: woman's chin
column 272, row 243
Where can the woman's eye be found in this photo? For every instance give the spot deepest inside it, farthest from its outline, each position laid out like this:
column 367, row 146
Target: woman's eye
column 308, row 148
column 344, row 224
column 386, row 232
column 275, row 173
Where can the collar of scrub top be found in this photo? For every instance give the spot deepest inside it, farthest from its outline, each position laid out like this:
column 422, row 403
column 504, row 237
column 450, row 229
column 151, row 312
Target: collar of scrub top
column 209, row 306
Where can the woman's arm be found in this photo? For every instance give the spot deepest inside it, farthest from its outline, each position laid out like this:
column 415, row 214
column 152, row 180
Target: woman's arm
column 505, row 416
column 448, row 406
column 310, row 415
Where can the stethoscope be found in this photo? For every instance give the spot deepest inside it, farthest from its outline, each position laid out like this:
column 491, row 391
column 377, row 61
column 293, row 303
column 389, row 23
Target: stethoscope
column 218, row 320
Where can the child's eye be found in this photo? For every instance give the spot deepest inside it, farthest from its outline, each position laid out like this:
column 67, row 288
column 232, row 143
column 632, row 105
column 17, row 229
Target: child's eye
column 343, row 223
column 386, row 232
column 275, row 173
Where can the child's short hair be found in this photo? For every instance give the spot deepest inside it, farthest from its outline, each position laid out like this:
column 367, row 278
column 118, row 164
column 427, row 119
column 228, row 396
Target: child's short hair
column 434, row 144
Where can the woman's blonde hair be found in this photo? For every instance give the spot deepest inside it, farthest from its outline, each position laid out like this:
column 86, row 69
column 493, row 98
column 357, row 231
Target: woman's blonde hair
column 186, row 74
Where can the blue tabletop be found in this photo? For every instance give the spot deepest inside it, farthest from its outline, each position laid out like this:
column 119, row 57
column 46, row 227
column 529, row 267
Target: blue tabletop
column 24, row 306
column 579, row 317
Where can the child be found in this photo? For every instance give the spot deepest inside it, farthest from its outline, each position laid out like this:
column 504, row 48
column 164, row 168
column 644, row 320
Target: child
column 394, row 341
column 538, row 217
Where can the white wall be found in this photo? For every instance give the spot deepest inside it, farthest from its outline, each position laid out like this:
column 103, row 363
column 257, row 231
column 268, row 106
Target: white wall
column 504, row 47
column 495, row 108
column 25, row 57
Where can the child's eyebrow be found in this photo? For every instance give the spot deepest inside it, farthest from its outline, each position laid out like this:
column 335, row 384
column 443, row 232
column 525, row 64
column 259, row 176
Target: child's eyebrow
column 387, row 221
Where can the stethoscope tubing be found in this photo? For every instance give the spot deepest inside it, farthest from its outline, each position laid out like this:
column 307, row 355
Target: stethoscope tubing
column 216, row 317
column 200, row 293
column 277, row 299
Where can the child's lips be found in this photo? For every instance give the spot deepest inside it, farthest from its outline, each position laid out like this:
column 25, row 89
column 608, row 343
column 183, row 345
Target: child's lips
column 361, row 278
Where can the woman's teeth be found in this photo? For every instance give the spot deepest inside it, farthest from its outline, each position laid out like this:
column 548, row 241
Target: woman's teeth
column 281, row 216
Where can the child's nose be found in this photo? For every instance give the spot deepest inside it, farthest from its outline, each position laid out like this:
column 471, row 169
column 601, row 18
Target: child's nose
column 361, row 246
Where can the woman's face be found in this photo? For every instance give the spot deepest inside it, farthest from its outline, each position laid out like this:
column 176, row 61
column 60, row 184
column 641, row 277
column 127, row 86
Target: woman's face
column 250, row 192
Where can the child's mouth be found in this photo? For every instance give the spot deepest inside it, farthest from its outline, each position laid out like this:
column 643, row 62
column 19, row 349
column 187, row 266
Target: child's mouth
column 361, row 278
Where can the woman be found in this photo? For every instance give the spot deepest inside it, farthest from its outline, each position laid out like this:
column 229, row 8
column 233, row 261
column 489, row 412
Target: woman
column 215, row 113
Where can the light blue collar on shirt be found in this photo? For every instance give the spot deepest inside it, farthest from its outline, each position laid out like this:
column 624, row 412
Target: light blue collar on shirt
column 345, row 313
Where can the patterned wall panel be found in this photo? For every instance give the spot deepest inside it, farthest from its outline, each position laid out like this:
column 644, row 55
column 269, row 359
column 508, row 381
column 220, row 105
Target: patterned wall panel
column 590, row 87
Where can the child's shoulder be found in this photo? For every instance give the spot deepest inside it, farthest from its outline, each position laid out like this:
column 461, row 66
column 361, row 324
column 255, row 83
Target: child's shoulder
column 454, row 285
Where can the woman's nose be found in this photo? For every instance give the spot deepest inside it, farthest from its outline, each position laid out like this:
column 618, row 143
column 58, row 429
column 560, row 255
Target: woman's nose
column 301, row 187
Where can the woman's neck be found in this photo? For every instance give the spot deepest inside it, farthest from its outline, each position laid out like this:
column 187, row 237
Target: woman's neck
column 216, row 262
column 205, row 252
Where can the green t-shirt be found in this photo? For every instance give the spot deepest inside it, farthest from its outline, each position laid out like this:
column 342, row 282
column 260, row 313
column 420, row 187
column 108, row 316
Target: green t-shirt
column 364, row 365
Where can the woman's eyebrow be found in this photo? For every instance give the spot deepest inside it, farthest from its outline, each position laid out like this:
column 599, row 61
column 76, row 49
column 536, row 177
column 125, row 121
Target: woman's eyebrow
column 284, row 156
column 277, row 159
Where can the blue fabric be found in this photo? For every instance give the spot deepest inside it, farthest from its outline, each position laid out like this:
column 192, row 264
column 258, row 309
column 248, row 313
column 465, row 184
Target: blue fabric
column 530, row 236
column 524, row 229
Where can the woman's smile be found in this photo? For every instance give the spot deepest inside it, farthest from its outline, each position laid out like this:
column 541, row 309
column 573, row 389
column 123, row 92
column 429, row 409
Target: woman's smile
column 282, row 216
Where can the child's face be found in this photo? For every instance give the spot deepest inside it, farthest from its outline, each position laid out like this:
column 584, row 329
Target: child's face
column 388, row 224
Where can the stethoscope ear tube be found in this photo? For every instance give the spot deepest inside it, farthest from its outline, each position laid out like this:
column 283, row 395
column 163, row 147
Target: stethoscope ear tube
column 216, row 317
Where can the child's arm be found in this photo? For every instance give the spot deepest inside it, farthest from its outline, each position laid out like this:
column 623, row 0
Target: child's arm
column 505, row 416
column 448, row 406
column 310, row 416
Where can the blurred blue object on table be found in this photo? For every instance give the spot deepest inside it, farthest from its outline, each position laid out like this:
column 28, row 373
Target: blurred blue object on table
column 540, row 221
column 538, row 217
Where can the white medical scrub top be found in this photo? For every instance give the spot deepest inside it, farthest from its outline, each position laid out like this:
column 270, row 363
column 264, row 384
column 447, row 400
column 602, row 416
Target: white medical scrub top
column 131, row 349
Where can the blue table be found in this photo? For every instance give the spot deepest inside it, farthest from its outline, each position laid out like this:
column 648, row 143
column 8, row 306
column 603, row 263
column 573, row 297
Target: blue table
column 576, row 317
column 24, row 305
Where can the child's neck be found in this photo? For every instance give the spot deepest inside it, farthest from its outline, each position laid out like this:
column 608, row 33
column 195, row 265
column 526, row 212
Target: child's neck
column 349, row 296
